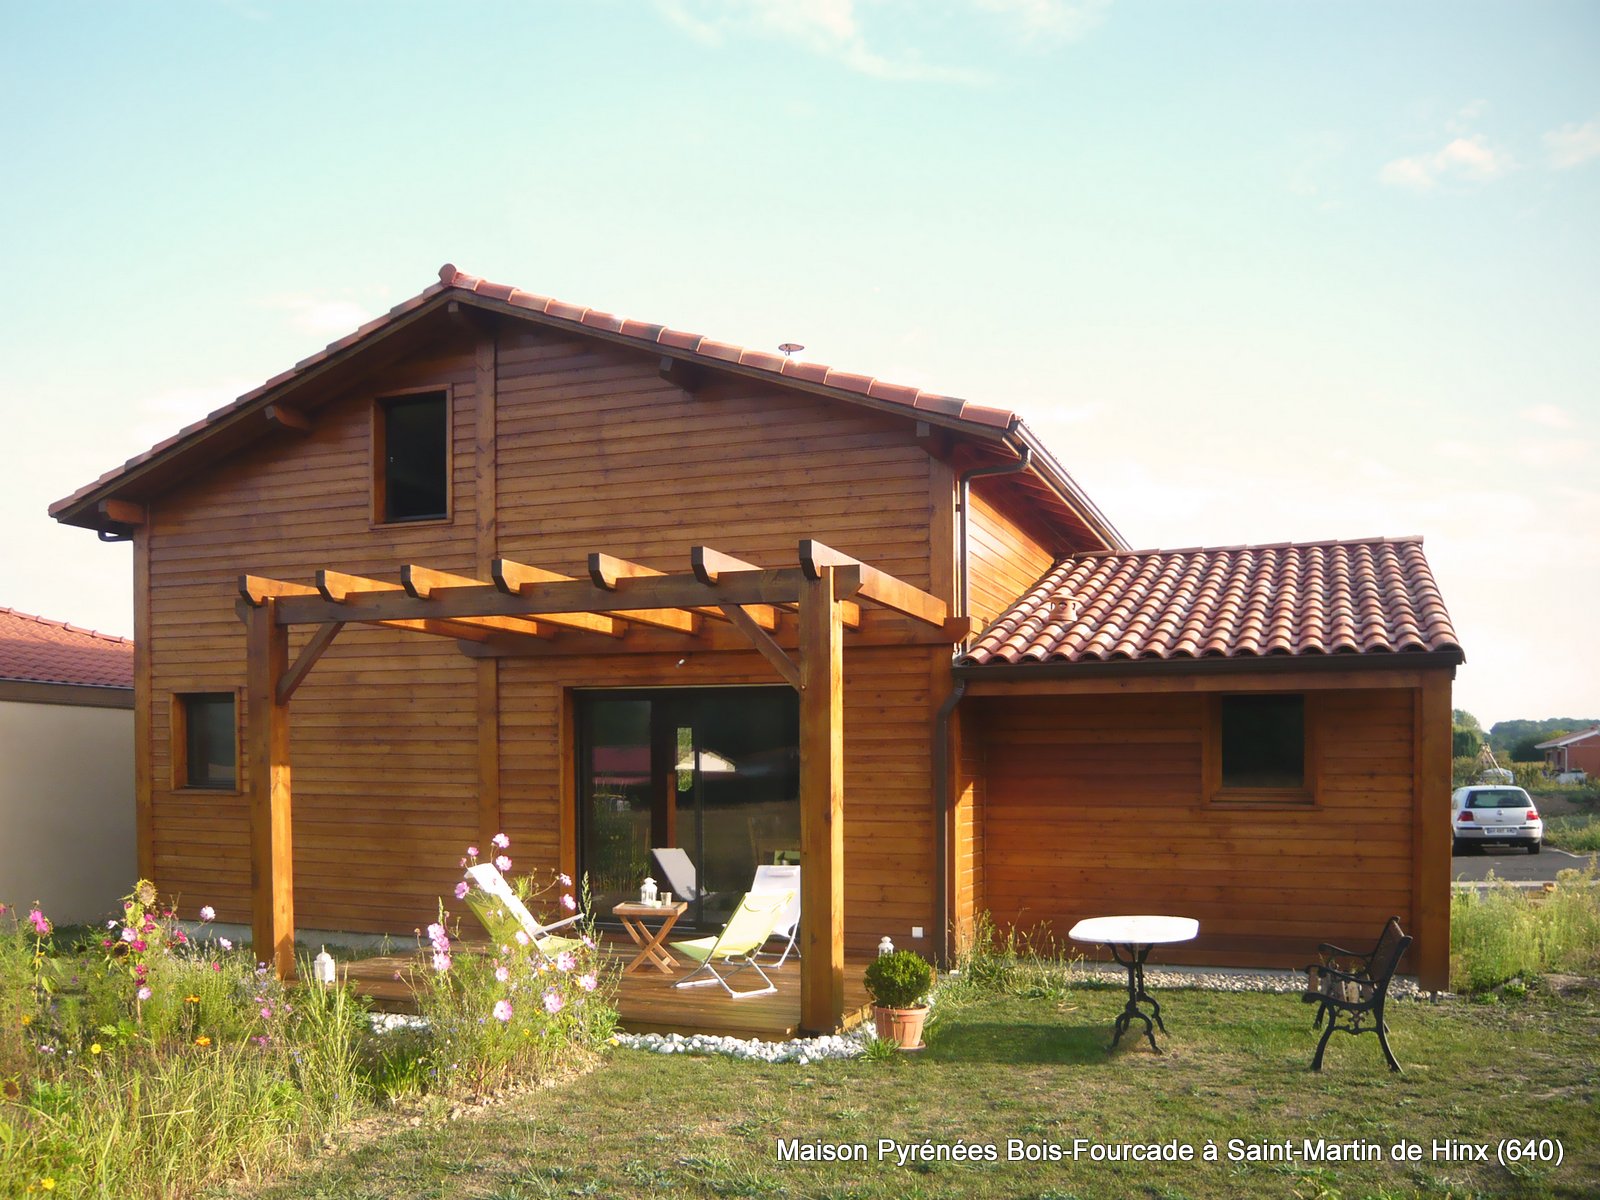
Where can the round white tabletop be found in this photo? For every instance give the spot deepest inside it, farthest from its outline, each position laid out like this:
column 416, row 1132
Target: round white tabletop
column 1135, row 931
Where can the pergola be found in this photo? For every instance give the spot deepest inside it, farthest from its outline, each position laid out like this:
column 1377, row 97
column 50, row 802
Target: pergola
column 723, row 603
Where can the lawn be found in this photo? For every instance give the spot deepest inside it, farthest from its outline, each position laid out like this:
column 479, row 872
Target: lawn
column 1001, row 1067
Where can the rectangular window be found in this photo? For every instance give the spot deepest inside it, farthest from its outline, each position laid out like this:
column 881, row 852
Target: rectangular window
column 205, row 741
column 412, row 467
column 1261, row 748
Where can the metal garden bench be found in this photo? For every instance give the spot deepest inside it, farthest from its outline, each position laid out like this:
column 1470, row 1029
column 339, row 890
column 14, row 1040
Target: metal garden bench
column 1349, row 988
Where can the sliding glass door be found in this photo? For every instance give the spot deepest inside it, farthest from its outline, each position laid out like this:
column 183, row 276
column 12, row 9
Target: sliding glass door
column 711, row 772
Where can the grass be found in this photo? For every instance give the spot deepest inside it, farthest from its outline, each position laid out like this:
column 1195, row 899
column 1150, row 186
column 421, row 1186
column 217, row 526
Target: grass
column 1579, row 832
column 1503, row 933
column 1002, row 1067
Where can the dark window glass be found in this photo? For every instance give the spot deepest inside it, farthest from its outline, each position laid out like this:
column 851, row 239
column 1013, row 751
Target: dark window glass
column 416, row 458
column 1263, row 741
column 209, row 730
column 1499, row 798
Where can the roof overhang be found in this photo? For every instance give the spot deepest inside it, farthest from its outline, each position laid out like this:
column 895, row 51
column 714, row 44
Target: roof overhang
column 1114, row 671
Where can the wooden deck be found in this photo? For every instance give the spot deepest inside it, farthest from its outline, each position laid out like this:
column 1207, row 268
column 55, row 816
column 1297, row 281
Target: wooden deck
column 646, row 1000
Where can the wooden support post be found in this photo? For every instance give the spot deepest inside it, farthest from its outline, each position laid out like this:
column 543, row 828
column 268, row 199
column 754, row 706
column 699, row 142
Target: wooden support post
column 821, row 805
column 1431, row 835
column 267, row 749
column 486, row 467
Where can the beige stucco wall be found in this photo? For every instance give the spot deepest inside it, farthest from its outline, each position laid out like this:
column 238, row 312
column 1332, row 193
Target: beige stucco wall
column 66, row 808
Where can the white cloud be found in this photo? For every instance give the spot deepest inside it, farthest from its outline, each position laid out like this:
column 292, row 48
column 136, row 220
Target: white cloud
column 1573, row 144
column 1463, row 159
column 1056, row 20
column 321, row 315
column 1551, row 416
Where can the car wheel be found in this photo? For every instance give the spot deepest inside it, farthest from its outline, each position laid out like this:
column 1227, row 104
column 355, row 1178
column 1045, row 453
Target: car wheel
column 1535, row 847
column 1457, row 847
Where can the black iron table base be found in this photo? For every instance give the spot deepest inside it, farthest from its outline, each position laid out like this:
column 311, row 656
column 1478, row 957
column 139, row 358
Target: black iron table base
column 1136, row 954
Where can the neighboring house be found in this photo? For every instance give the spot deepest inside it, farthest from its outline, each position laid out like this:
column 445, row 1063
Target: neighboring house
column 66, row 791
column 1259, row 737
column 1578, row 751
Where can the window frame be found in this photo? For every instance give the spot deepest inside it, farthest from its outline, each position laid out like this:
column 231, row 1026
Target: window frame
column 179, row 741
column 1307, row 795
column 379, row 455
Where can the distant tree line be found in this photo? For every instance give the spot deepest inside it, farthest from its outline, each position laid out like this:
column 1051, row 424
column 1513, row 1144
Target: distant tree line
column 1511, row 741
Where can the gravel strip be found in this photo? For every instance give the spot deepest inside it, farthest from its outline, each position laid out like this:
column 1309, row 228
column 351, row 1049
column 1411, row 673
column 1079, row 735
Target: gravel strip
column 1225, row 979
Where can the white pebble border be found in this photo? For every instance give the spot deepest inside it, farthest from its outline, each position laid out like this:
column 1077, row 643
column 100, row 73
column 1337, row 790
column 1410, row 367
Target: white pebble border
column 800, row 1050
column 1224, row 979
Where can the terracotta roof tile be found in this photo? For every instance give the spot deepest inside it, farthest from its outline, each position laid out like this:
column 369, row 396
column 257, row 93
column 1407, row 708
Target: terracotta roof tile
column 1374, row 596
column 37, row 650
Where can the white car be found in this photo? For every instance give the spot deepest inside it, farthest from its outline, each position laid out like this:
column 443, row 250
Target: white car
column 1573, row 776
column 1494, row 813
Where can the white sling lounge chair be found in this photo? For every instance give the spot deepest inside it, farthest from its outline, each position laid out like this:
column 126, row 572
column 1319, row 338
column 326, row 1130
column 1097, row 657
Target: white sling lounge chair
column 674, row 865
column 782, row 879
column 746, row 931
column 503, row 913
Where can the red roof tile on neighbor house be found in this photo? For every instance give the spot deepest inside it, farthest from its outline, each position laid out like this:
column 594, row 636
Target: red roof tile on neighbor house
column 1372, row 596
column 36, row 650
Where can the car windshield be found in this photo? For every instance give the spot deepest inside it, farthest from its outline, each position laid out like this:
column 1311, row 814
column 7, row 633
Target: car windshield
column 1498, row 798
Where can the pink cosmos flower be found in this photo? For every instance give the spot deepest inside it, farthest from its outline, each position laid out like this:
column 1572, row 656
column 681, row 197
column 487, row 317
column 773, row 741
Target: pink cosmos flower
column 461, row 890
column 472, row 852
column 180, row 937
column 567, row 902
column 588, row 982
column 565, row 961
column 127, row 934
column 207, row 913
column 41, row 923
column 441, row 961
column 501, row 974
column 522, row 938
column 552, row 1001
column 144, row 992
column 586, row 940
column 439, row 938
column 140, row 944
column 225, row 944
column 266, row 1013
column 564, row 880
column 502, row 863
column 501, row 840
column 502, row 1010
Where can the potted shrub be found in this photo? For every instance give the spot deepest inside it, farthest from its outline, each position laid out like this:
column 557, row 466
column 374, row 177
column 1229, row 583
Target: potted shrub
column 899, row 984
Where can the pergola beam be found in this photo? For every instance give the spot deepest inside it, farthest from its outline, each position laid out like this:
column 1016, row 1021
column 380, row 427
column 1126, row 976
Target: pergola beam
column 606, row 569
column 713, row 566
column 764, row 644
column 877, row 586
column 337, row 587
column 313, row 650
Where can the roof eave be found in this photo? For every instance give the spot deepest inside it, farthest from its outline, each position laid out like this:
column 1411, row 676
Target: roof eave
column 1390, row 660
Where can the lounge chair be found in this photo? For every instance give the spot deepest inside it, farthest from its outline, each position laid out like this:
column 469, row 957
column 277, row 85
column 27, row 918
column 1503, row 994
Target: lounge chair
column 674, row 866
column 745, row 933
column 503, row 913
column 780, row 879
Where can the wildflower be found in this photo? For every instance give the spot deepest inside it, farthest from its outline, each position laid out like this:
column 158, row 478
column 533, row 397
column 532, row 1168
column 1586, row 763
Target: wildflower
column 140, row 944
column 589, row 982
column 180, row 937
column 48, row 1183
column 472, row 852
column 501, row 840
column 207, row 913
column 262, row 1040
column 439, row 938
column 145, row 892
column 191, row 999
column 266, row 1012
column 522, row 938
column 96, row 1048
column 565, row 961
column 552, row 1001
column 502, row 863
column 128, row 934
column 463, row 860
column 567, row 902
column 461, row 890
column 564, row 880
column 109, row 924
column 202, row 1040
column 501, row 974
column 502, row 1010
column 216, row 966
column 27, row 1020
column 586, row 940
column 441, row 961
column 225, row 943
column 144, row 992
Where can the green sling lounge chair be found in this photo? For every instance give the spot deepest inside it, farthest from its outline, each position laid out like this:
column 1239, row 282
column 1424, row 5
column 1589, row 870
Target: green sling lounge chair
column 745, row 933
column 503, row 914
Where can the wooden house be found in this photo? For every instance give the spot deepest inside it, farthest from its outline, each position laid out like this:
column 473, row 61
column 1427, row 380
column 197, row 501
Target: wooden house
column 497, row 562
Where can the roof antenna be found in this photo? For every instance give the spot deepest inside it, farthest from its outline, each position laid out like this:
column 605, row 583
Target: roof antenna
column 790, row 349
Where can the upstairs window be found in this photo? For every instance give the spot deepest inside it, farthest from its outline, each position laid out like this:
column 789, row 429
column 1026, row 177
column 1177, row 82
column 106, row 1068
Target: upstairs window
column 1260, row 744
column 205, row 741
column 412, row 467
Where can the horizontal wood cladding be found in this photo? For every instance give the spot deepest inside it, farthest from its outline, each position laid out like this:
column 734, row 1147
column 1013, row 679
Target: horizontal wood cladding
column 593, row 451
column 1004, row 558
column 1094, row 806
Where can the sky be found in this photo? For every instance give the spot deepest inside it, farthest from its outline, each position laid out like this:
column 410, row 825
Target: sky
column 1255, row 272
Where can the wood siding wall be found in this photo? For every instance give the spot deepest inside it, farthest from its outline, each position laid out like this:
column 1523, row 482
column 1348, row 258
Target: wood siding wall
column 594, row 452
column 1004, row 559
column 1094, row 807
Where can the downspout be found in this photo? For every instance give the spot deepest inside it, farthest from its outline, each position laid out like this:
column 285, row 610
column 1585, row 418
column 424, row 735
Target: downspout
column 941, row 722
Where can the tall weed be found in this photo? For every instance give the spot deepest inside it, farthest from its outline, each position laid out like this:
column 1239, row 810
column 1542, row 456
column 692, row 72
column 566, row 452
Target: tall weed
column 1500, row 933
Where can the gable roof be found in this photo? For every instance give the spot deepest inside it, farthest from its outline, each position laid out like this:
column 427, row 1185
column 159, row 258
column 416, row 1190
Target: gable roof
column 1367, row 598
column 38, row 650
column 989, row 435
column 1569, row 738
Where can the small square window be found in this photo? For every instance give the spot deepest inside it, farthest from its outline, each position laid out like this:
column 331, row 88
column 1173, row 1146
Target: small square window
column 205, row 741
column 412, row 472
column 1263, row 742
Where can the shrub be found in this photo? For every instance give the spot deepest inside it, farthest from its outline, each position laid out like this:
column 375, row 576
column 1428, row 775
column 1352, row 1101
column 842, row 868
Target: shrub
column 1502, row 933
column 900, row 980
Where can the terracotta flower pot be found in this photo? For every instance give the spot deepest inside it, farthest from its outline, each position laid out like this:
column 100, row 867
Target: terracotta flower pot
column 903, row 1026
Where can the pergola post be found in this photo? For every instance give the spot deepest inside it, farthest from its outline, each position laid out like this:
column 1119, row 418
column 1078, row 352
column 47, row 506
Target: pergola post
column 821, row 805
column 267, row 750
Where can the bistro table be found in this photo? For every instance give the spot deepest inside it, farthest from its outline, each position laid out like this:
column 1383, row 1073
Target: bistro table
column 1130, row 940
column 636, row 918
